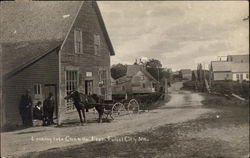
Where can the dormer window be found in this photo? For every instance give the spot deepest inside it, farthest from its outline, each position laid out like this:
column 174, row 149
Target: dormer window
column 78, row 41
column 97, row 43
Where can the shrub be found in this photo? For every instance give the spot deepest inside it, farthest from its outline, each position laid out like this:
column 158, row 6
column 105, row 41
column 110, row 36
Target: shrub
column 230, row 87
column 190, row 85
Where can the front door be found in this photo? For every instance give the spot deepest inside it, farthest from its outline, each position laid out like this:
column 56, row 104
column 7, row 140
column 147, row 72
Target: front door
column 89, row 87
column 51, row 88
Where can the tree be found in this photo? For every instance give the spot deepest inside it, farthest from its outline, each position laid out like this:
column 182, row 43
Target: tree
column 153, row 63
column 154, row 67
column 118, row 70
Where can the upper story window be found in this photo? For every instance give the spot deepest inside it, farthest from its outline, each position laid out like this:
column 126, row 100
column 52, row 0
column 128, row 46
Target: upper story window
column 142, row 77
column 78, row 41
column 97, row 43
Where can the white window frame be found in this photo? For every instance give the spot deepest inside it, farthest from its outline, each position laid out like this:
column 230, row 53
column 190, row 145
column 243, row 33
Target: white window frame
column 78, row 41
column 71, row 83
column 37, row 89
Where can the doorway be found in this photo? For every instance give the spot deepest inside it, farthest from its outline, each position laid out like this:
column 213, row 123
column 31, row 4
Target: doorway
column 51, row 88
column 89, row 87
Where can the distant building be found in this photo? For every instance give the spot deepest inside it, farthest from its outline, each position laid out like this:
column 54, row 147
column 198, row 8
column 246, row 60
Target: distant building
column 186, row 74
column 221, row 70
column 235, row 67
column 238, row 58
column 240, row 71
column 137, row 81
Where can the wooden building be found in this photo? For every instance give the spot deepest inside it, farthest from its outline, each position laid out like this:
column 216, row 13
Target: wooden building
column 186, row 74
column 136, row 81
column 235, row 67
column 53, row 47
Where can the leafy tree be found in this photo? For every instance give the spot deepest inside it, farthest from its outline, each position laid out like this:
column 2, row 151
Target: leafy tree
column 118, row 70
column 154, row 67
column 153, row 63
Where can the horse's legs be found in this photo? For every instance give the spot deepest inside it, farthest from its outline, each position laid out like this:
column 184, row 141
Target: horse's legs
column 100, row 118
column 80, row 115
column 100, row 111
column 83, row 113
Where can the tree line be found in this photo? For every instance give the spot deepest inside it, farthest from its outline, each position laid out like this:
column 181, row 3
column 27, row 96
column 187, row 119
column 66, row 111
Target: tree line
column 153, row 66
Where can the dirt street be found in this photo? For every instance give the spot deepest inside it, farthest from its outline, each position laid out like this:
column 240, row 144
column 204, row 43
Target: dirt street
column 183, row 106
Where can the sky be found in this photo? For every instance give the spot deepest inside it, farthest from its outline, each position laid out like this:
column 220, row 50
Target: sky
column 179, row 34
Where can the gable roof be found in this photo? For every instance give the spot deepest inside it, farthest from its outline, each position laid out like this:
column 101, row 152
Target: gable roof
column 133, row 69
column 21, row 54
column 29, row 21
column 149, row 75
column 29, row 30
column 230, row 66
column 240, row 67
column 221, row 66
column 123, row 79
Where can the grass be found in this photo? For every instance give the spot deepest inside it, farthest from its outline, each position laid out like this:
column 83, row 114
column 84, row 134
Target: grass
column 172, row 140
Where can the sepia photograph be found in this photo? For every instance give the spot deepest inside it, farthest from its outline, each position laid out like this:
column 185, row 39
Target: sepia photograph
column 124, row 79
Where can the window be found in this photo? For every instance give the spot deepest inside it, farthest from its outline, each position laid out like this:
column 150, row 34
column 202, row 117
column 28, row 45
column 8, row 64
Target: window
column 71, row 84
column 78, row 41
column 103, row 79
column 97, row 43
column 241, row 76
column 142, row 77
column 143, row 85
column 37, row 89
column 237, row 76
column 123, row 88
column 247, row 76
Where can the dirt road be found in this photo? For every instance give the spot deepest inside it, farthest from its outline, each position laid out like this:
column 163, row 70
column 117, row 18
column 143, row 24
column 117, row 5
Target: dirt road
column 183, row 106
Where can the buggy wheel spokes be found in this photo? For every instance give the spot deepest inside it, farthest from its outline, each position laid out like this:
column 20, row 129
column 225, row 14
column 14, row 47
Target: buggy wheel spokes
column 133, row 106
column 118, row 109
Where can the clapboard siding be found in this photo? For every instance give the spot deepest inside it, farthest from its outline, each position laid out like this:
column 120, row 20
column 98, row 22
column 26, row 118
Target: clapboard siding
column 44, row 71
column 87, row 21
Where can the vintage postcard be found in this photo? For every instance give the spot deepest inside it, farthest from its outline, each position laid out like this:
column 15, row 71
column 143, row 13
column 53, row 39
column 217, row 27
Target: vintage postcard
column 110, row 79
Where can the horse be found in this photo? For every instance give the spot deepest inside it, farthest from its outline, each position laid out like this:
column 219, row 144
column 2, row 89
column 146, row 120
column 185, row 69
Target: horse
column 84, row 102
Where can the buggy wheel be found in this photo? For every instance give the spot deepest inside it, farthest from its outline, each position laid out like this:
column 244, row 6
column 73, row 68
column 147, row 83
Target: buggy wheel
column 133, row 106
column 118, row 109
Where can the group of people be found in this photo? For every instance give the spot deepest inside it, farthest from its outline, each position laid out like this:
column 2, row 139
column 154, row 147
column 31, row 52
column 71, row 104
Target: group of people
column 44, row 113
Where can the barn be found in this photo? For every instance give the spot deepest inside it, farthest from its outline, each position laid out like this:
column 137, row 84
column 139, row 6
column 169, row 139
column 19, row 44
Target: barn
column 52, row 47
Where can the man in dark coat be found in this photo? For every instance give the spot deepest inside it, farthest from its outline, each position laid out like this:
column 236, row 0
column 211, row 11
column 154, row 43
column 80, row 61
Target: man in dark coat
column 37, row 111
column 48, row 109
column 25, row 108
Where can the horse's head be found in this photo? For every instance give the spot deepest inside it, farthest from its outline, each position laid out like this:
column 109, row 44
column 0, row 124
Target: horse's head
column 71, row 95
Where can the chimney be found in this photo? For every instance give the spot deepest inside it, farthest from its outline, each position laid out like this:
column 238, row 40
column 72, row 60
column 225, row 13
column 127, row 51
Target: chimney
column 135, row 62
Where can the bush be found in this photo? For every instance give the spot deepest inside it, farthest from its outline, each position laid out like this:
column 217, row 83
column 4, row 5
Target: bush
column 230, row 87
column 190, row 85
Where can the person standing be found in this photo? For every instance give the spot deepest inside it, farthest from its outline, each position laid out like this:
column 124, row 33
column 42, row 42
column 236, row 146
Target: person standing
column 25, row 108
column 49, row 106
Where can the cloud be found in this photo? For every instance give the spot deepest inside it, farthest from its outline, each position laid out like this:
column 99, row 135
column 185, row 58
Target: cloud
column 180, row 34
